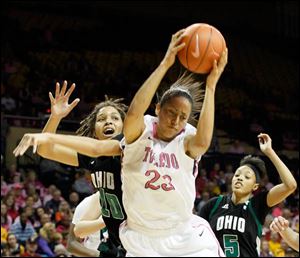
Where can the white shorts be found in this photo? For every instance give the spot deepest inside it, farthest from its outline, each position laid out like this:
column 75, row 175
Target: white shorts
column 196, row 239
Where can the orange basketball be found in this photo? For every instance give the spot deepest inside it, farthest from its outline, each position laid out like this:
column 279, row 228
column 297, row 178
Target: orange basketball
column 203, row 44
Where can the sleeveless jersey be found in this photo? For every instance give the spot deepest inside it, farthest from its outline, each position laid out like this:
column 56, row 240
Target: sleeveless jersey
column 158, row 181
column 237, row 227
column 106, row 178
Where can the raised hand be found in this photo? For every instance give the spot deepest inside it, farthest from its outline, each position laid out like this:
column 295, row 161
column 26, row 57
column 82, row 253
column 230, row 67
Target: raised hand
column 279, row 224
column 174, row 46
column 265, row 143
column 30, row 139
column 60, row 107
column 218, row 68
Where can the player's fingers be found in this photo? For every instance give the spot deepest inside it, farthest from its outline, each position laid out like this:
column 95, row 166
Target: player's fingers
column 70, row 90
column 64, row 88
column 57, row 88
column 179, row 47
column 274, row 227
column 178, row 33
column 74, row 103
column 51, row 97
column 25, row 144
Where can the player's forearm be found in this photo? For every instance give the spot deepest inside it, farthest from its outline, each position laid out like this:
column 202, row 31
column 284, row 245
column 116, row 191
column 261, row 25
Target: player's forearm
column 52, row 124
column 76, row 248
column 86, row 145
column 50, row 127
column 285, row 174
column 205, row 124
column 144, row 95
column 86, row 227
column 291, row 238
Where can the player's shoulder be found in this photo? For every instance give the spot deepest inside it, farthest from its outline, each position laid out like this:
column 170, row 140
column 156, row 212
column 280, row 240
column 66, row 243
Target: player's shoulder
column 215, row 199
column 150, row 119
column 86, row 201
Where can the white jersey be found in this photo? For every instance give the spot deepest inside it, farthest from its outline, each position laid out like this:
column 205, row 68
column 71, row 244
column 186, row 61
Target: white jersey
column 158, row 181
column 93, row 240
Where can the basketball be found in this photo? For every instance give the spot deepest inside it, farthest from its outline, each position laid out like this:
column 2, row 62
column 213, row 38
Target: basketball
column 203, row 44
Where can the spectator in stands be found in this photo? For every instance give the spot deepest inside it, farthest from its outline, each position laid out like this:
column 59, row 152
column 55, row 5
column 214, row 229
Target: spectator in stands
column 214, row 173
column 44, row 218
column 266, row 232
column 204, row 198
column 4, row 186
column 222, row 182
column 228, row 172
column 6, row 220
column 49, row 193
column 53, row 204
column 46, row 240
column 4, row 234
column 9, row 200
column 63, row 209
column 265, row 251
column 82, row 184
column 31, row 248
column 12, row 172
column 19, row 195
column 31, row 180
column 14, row 248
column 38, row 212
column 73, row 200
column 274, row 244
column 22, row 228
column 201, row 182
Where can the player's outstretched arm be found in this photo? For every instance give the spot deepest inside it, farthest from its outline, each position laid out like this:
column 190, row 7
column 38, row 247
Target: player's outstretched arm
column 64, row 148
column 279, row 192
column 134, row 120
column 60, row 108
column 75, row 246
column 199, row 144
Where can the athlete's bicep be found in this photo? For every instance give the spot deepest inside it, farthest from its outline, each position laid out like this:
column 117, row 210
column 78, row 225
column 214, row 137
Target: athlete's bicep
column 192, row 149
column 277, row 194
column 133, row 127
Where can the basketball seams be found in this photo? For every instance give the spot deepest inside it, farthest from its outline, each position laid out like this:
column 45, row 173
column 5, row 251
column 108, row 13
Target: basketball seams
column 206, row 50
column 188, row 48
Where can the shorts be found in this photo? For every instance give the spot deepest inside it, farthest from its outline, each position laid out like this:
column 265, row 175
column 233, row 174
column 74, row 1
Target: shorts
column 196, row 239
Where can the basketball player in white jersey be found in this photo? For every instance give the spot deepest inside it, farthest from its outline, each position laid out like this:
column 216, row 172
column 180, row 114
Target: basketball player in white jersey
column 160, row 165
column 90, row 243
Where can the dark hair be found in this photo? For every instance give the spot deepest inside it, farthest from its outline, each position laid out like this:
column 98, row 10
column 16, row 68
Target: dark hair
column 87, row 127
column 256, row 164
column 186, row 86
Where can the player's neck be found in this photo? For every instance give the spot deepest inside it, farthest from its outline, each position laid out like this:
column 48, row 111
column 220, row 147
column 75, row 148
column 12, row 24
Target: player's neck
column 239, row 199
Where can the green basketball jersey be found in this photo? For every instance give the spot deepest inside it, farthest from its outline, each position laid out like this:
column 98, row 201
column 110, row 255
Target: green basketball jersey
column 237, row 227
